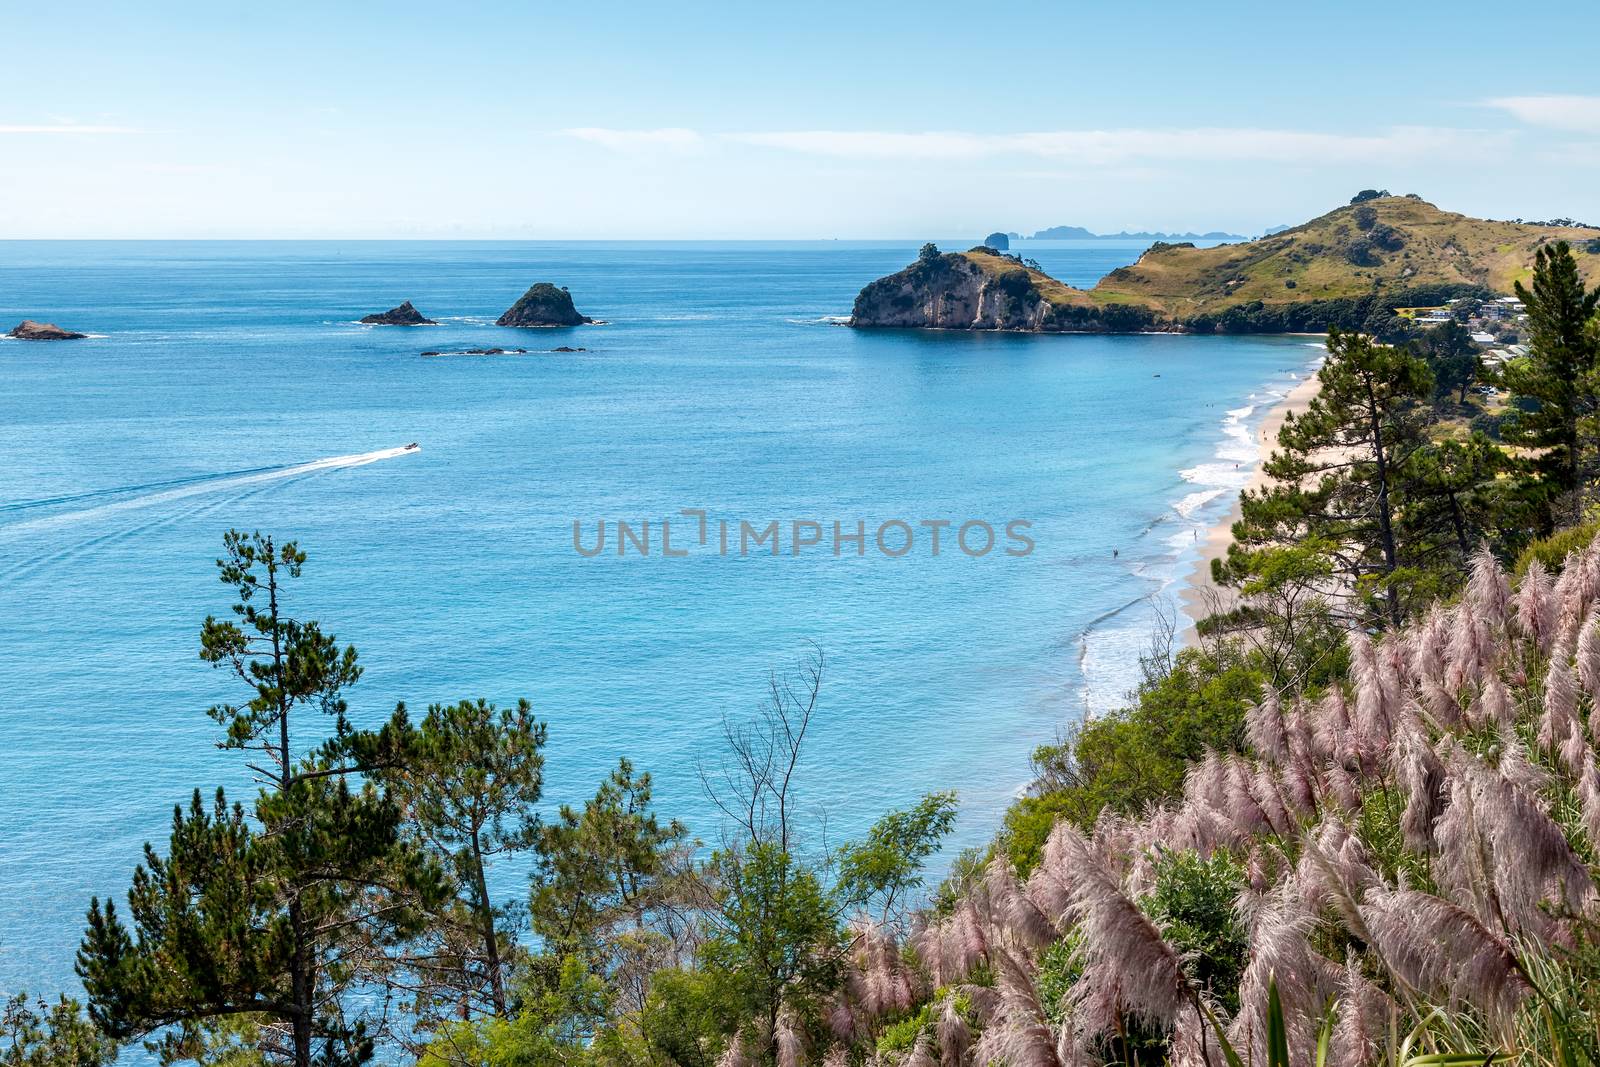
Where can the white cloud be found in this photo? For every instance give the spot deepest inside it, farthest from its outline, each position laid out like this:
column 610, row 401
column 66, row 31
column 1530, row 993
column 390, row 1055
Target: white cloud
column 671, row 138
column 1081, row 147
column 66, row 127
column 1100, row 147
column 1577, row 113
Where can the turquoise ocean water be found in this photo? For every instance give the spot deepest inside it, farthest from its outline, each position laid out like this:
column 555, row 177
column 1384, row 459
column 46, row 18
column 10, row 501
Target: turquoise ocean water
column 218, row 375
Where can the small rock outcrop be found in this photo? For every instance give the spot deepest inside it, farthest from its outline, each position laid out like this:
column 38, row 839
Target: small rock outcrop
column 478, row 352
column 404, row 315
column 998, row 240
column 543, row 305
column 29, row 330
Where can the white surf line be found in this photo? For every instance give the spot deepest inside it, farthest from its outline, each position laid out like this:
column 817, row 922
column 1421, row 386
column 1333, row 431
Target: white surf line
column 358, row 459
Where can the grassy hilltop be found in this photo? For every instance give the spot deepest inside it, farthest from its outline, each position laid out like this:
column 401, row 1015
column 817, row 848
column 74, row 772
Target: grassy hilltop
column 1338, row 269
column 1392, row 242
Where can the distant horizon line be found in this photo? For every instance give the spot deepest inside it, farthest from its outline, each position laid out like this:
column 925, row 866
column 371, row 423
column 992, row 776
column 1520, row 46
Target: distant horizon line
column 1097, row 239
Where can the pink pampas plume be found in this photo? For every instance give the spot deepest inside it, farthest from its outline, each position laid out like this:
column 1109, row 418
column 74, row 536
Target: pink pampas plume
column 1017, row 1044
column 791, row 1047
column 1377, row 702
column 1571, row 603
column 1243, row 809
column 1280, row 951
column 1441, row 703
column 883, row 985
column 1365, row 1012
column 1575, row 752
column 1429, row 640
column 1019, row 1032
column 1331, row 733
column 1589, row 801
column 1472, row 650
column 1050, row 885
column 1516, row 768
column 1150, row 980
column 921, row 1053
column 1301, row 780
column 1193, row 1044
column 1421, row 776
column 1334, row 872
column 842, row 1021
column 1560, row 701
column 1264, row 727
column 734, row 1054
column 1012, row 909
column 1269, row 798
column 1588, row 657
column 1440, row 949
column 1494, row 707
column 955, row 1036
column 1488, row 593
column 952, row 948
column 1342, row 788
column 1206, row 783
column 1536, row 607
column 1526, row 854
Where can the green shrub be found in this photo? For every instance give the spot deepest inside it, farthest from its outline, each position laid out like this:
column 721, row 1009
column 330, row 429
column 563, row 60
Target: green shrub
column 1059, row 967
column 1552, row 551
column 1193, row 903
column 1135, row 757
column 901, row 1036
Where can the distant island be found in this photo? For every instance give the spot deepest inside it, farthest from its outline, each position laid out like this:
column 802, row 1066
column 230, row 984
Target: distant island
column 1349, row 268
column 1078, row 233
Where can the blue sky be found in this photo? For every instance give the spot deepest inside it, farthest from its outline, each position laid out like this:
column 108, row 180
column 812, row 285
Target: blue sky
column 815, row 120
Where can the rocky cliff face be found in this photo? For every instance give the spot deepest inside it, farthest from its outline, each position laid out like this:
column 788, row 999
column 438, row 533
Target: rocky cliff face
column 28, row 330
column 543, row 305
column 953, row 292
column 404, row 315
column 980, row 290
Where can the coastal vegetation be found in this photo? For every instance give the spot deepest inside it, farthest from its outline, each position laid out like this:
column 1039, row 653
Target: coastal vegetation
column 1355, row 822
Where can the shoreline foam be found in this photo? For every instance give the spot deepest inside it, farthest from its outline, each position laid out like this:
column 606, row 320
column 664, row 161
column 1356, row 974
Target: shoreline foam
column 1199, row 595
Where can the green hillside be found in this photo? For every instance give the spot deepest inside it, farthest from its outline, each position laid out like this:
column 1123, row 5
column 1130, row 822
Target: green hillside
column 1395, row 242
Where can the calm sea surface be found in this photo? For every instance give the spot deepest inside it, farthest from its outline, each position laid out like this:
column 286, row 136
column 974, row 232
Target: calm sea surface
column 217, row 374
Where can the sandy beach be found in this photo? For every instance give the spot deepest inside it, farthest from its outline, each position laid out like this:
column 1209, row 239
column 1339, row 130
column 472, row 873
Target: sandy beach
column 1200, row 597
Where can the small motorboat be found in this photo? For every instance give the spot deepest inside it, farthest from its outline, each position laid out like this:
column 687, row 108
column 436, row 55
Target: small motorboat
column 413, row 447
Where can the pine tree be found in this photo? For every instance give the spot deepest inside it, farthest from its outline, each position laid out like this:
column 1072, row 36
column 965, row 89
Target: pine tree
column 265, row 923
column 1329, row 522
column 1450, row 503
column 468, row 778
column 37, row 1034
column 1559, row 378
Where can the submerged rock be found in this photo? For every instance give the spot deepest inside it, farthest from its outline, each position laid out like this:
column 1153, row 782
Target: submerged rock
column 568, row 348
column 478, row 352
column 543, row 305
column 29, row 330
column 404, row 315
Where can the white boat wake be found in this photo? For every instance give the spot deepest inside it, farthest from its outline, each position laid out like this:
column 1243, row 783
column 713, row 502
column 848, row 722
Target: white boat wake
column 182, row 488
